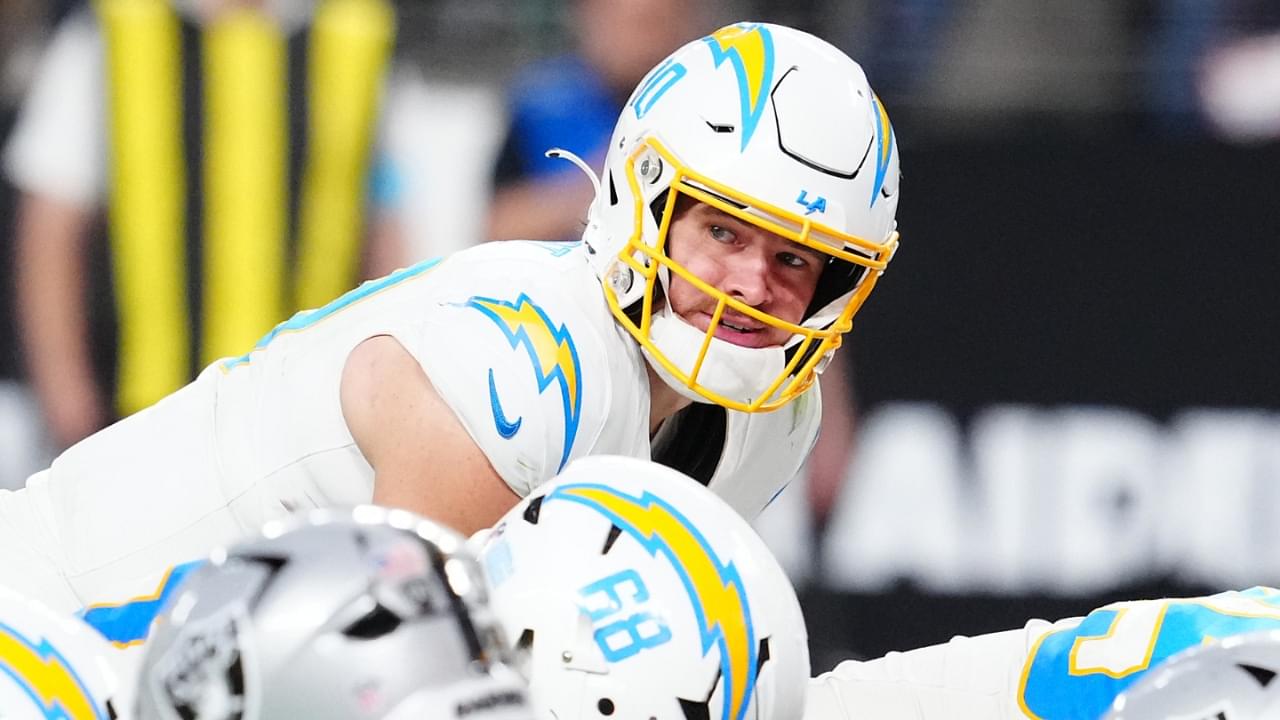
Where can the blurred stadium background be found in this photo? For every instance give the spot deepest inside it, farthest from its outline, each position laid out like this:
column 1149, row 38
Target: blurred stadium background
column 1066, row 384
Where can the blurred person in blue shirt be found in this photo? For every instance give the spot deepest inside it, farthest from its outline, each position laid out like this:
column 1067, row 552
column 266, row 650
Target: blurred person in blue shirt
column 572, row 101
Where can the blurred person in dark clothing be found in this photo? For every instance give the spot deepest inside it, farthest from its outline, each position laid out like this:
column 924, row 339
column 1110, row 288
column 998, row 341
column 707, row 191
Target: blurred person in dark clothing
column 24, row 26
column 231, row 144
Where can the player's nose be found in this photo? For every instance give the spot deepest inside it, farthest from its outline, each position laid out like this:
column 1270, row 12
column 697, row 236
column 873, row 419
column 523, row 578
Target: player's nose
column 747, row 277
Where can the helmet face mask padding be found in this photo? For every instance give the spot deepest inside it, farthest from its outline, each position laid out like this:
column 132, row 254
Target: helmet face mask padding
column 811, row 158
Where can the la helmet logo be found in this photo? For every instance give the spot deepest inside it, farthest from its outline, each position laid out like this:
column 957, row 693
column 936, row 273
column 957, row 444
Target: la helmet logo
column 819, row 203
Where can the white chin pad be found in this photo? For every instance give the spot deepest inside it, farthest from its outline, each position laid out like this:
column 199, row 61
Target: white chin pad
column 738, row 373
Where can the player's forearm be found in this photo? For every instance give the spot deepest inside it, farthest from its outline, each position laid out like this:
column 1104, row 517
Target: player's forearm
column 50, row 308
column 968, row 678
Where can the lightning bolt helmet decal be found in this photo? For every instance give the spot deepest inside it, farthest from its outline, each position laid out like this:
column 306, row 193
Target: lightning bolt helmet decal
column 749, row 49
column 884, row 146
column 715, row 589
column 46, row 677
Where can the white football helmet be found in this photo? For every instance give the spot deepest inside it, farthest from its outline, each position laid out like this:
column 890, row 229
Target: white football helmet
column 54, row 666
column 362, row 614
column 780, row 130
column 1234, row 678
column 641, row 594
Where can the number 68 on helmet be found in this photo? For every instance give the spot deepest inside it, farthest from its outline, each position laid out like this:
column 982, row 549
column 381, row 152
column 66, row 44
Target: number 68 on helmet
column 640, row 594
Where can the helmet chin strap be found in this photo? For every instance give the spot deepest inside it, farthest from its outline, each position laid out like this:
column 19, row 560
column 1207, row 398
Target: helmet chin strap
column 736, row 372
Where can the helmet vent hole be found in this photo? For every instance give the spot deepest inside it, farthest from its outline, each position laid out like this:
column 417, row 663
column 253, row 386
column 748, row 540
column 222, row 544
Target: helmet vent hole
column 614, row 532
column 525, row 642
column 374, row 624
column 695, row 710
column 605, row 706
column 613, row 191
column 1262, row 675
column 762, row 656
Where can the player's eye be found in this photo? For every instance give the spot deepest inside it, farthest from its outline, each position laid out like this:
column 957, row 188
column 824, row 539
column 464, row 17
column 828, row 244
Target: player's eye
column 722, row 234
column 792, row 260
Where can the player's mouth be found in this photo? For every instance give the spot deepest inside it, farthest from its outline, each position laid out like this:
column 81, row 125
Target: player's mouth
column 741, row 331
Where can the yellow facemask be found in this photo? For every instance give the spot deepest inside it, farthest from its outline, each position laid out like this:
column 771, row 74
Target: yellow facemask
column 809, row 347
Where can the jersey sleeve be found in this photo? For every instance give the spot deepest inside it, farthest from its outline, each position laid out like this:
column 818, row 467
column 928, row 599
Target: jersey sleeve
column 524, row 372
column 968, row 678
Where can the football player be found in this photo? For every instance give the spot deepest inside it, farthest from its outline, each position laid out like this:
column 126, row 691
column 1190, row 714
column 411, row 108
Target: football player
column 359, row 614
column 744, row 213
column 639, row 594
column 1069, row 670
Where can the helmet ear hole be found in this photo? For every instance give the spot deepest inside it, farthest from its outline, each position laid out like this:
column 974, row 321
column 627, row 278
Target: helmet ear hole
column 635, row 310
column 605, row 706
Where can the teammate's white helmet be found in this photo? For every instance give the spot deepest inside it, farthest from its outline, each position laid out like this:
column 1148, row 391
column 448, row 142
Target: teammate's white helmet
column 1235, row 678
column 338, row 614
column 640, row 594
column 781, row 130
column 53, row 666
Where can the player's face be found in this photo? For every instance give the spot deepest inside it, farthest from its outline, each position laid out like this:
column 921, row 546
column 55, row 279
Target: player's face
column 750, row 264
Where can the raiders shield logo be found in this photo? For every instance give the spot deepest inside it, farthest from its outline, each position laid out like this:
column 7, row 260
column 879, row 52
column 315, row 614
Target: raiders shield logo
column 202, row 675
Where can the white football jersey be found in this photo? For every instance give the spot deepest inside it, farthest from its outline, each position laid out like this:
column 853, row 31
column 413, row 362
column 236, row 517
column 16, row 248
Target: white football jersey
column 515, row 336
